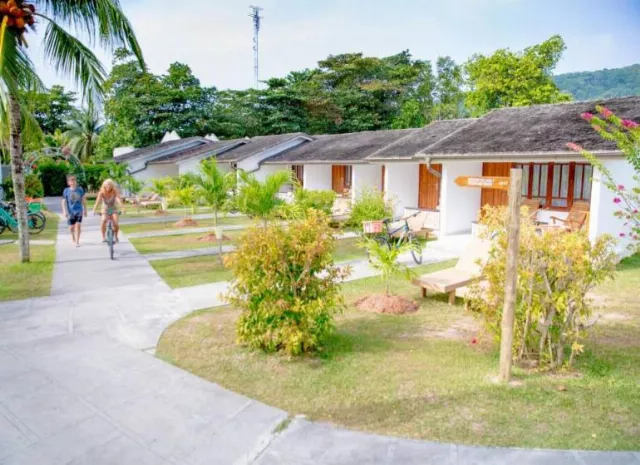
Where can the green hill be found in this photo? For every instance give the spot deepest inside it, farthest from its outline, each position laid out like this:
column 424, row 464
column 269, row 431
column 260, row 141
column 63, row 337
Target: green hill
column 604, row 83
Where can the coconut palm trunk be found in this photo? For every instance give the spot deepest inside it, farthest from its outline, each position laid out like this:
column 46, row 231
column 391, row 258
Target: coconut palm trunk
column 17, row 174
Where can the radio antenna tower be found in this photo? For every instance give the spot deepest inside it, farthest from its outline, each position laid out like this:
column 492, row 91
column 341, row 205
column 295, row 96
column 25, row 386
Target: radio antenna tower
column 255, row 14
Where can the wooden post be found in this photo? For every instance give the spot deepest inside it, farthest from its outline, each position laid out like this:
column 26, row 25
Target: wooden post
column 511, row 282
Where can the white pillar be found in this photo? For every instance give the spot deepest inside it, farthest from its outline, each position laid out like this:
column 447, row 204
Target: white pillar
column 601, row 216
column 365, row 177
column 317, row 177
column 459, row 206
column 401, row 185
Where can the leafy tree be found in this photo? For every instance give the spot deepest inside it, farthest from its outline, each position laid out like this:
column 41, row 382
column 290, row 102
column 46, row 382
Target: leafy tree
column 384, row 259
column 66, row 54
column 134, row 187
column 214, row 186
column 161, row 187
column 118, row 173
column 51, row 108
column 508, row 79
column 601, row 84
column 82, row 133
column 448, row 95
column 260, row 199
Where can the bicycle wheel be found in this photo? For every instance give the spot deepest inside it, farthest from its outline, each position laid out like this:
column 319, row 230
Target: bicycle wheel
column 36, row 223
column 2, row 226
column 416, row 248
column 110, row 240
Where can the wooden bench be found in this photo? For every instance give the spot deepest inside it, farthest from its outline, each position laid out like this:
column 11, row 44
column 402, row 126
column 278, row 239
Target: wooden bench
column 577, row 217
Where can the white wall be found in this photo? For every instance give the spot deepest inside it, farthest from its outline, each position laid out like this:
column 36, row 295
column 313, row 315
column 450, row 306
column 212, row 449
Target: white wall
column 459, row 206
column 365, row 177
column 401, row 185
column 193, row 166
column 601, row 219
column 317, row 177
column 156, row 171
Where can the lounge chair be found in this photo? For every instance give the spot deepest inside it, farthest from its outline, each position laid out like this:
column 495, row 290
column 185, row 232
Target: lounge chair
column 152, row 201
column 577, row 217
column 418, row 224
column 533, row 205
column 467, row 270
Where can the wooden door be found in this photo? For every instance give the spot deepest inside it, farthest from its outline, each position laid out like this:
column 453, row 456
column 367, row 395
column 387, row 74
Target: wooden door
column 384, row 173
column 338, row 178
column 495, row 197
column 429, row 188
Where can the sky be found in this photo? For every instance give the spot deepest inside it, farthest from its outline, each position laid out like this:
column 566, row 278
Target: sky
column 214, row 37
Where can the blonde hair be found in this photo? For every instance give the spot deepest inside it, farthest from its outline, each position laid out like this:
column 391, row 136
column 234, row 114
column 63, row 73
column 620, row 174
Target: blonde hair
column 108, row 185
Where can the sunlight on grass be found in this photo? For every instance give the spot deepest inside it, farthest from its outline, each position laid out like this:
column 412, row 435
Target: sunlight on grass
column 170, row 224
column 192, row 271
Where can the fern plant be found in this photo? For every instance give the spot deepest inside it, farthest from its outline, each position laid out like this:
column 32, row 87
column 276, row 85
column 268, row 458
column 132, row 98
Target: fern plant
column 384, row 259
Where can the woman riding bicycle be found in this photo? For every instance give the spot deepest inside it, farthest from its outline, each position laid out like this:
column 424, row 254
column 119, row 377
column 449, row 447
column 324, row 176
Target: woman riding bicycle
column 111, row 201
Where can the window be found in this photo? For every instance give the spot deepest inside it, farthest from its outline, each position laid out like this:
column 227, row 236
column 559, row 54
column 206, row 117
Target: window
column 556, row 185
column 348, row 176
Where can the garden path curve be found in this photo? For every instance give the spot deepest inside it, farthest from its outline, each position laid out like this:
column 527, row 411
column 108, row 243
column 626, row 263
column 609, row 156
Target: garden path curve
column 78, row 385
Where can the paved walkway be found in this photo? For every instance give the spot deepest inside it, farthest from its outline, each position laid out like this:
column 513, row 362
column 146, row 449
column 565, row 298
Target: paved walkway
column 76, row 388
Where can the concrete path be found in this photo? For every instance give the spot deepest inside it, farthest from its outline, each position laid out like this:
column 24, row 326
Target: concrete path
column 189, row 253
column 75, row 388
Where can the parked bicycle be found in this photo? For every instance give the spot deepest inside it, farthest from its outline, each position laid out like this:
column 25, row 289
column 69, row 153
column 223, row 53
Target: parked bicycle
column 36, row 221
column 390, row 235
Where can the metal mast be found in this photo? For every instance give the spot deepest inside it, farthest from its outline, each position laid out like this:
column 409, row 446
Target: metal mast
column 255, row 15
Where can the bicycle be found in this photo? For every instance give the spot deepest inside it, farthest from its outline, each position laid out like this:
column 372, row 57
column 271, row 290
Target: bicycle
column 36, row 221
column 111, row 235
column 396, row 237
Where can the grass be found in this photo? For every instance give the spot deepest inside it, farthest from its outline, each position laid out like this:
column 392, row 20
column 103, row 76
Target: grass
column 146, row 245
column 21, row 281
column 420, row 375
column 184, row 272
column 205, row 223
column 348, row 249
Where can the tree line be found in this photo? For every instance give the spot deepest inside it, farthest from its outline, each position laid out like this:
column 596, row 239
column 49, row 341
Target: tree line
column 343, row 93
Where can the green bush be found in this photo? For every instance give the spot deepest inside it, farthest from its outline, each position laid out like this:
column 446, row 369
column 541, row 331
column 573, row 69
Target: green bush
column 318, row 200
column 53, row 176
column 32, row 185
column 94, row 176
column 368, row 206
column 286, row 285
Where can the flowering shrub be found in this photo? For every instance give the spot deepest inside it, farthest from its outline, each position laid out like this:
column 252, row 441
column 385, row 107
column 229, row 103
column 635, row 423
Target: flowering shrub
column 286, row 285
column 369, row 205
column 555, row 273
column 626, row 135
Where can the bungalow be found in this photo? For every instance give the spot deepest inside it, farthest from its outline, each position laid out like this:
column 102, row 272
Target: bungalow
column 534, row 139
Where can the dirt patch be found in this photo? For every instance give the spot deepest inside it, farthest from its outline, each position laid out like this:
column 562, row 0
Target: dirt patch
column 380, row 303
column 185, row 223
column 211, row 237
column 161, row 213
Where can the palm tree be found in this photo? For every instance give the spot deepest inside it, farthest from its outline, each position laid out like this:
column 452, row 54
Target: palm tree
column 82, row 133
column 214, row 186
column 384, row 259
column 261, row 198
column 96, row 19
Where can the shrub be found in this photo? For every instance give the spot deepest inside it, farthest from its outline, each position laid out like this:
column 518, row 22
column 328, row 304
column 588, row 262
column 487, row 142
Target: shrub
column 32, row 185
column 555, row 273
column 384, row 259
column 369, row 205
column 7, row 189
column 318, row 200
column 53, row 176
column 94, row 176
column 286, row 285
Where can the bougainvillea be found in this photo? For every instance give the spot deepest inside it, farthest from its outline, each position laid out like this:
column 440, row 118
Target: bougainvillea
column 626, row 134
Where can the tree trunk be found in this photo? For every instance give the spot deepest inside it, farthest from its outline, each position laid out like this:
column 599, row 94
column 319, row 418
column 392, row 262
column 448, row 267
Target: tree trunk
column 17, row 174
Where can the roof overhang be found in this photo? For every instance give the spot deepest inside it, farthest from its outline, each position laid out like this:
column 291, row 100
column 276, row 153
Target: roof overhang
column 563, row 156
column 317, row 162
column 300, row 136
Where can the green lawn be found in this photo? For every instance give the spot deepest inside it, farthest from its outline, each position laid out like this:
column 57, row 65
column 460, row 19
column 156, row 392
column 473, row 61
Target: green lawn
column 348, row 249
column 146, row 245
column 192, row 271
column 422, row 376
column 21, row 281
column 166, row 225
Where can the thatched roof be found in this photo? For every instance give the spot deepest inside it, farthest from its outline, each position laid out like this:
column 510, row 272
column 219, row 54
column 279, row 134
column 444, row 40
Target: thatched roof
column 258, row 144
column 534, row 130
column 406, row 147
column 338, row 148
column 210, row 149
column 164, row 148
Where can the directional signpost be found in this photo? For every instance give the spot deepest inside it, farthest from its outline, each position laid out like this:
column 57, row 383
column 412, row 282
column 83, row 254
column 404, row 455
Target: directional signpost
column 514, row 185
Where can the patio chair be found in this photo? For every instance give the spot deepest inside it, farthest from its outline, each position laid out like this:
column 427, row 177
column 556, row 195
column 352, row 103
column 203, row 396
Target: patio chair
column 152, row 201
column 576, row 219
column 533, row 205
column 417, row 224
column 467, row 270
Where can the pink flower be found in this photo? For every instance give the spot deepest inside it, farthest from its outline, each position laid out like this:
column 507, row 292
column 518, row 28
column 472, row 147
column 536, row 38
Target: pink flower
column 474, row 341
column 635, row 212
column 606, row 112
column 627, row 123
column 620, row 187
column 587, row 116
column 574, row 147
column 617, row 200
column 623, row 235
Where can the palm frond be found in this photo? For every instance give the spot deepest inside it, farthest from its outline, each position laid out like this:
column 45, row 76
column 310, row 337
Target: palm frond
column 71, row 57
column 97, row 18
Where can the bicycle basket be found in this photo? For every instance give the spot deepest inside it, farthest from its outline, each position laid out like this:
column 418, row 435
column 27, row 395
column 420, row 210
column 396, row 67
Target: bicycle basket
column 35, row 206
column 372, row 227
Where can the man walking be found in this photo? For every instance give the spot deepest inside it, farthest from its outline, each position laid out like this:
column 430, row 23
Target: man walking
column 74, row 207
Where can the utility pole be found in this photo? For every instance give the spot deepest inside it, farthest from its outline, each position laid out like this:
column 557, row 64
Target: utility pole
column 255, row 15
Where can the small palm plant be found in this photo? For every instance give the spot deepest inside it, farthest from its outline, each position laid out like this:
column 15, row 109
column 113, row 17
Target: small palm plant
column 134, row 187
column 161, row 188
column 384, row 259
column 184, row 192
column 214, row 186
column 260, row 199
